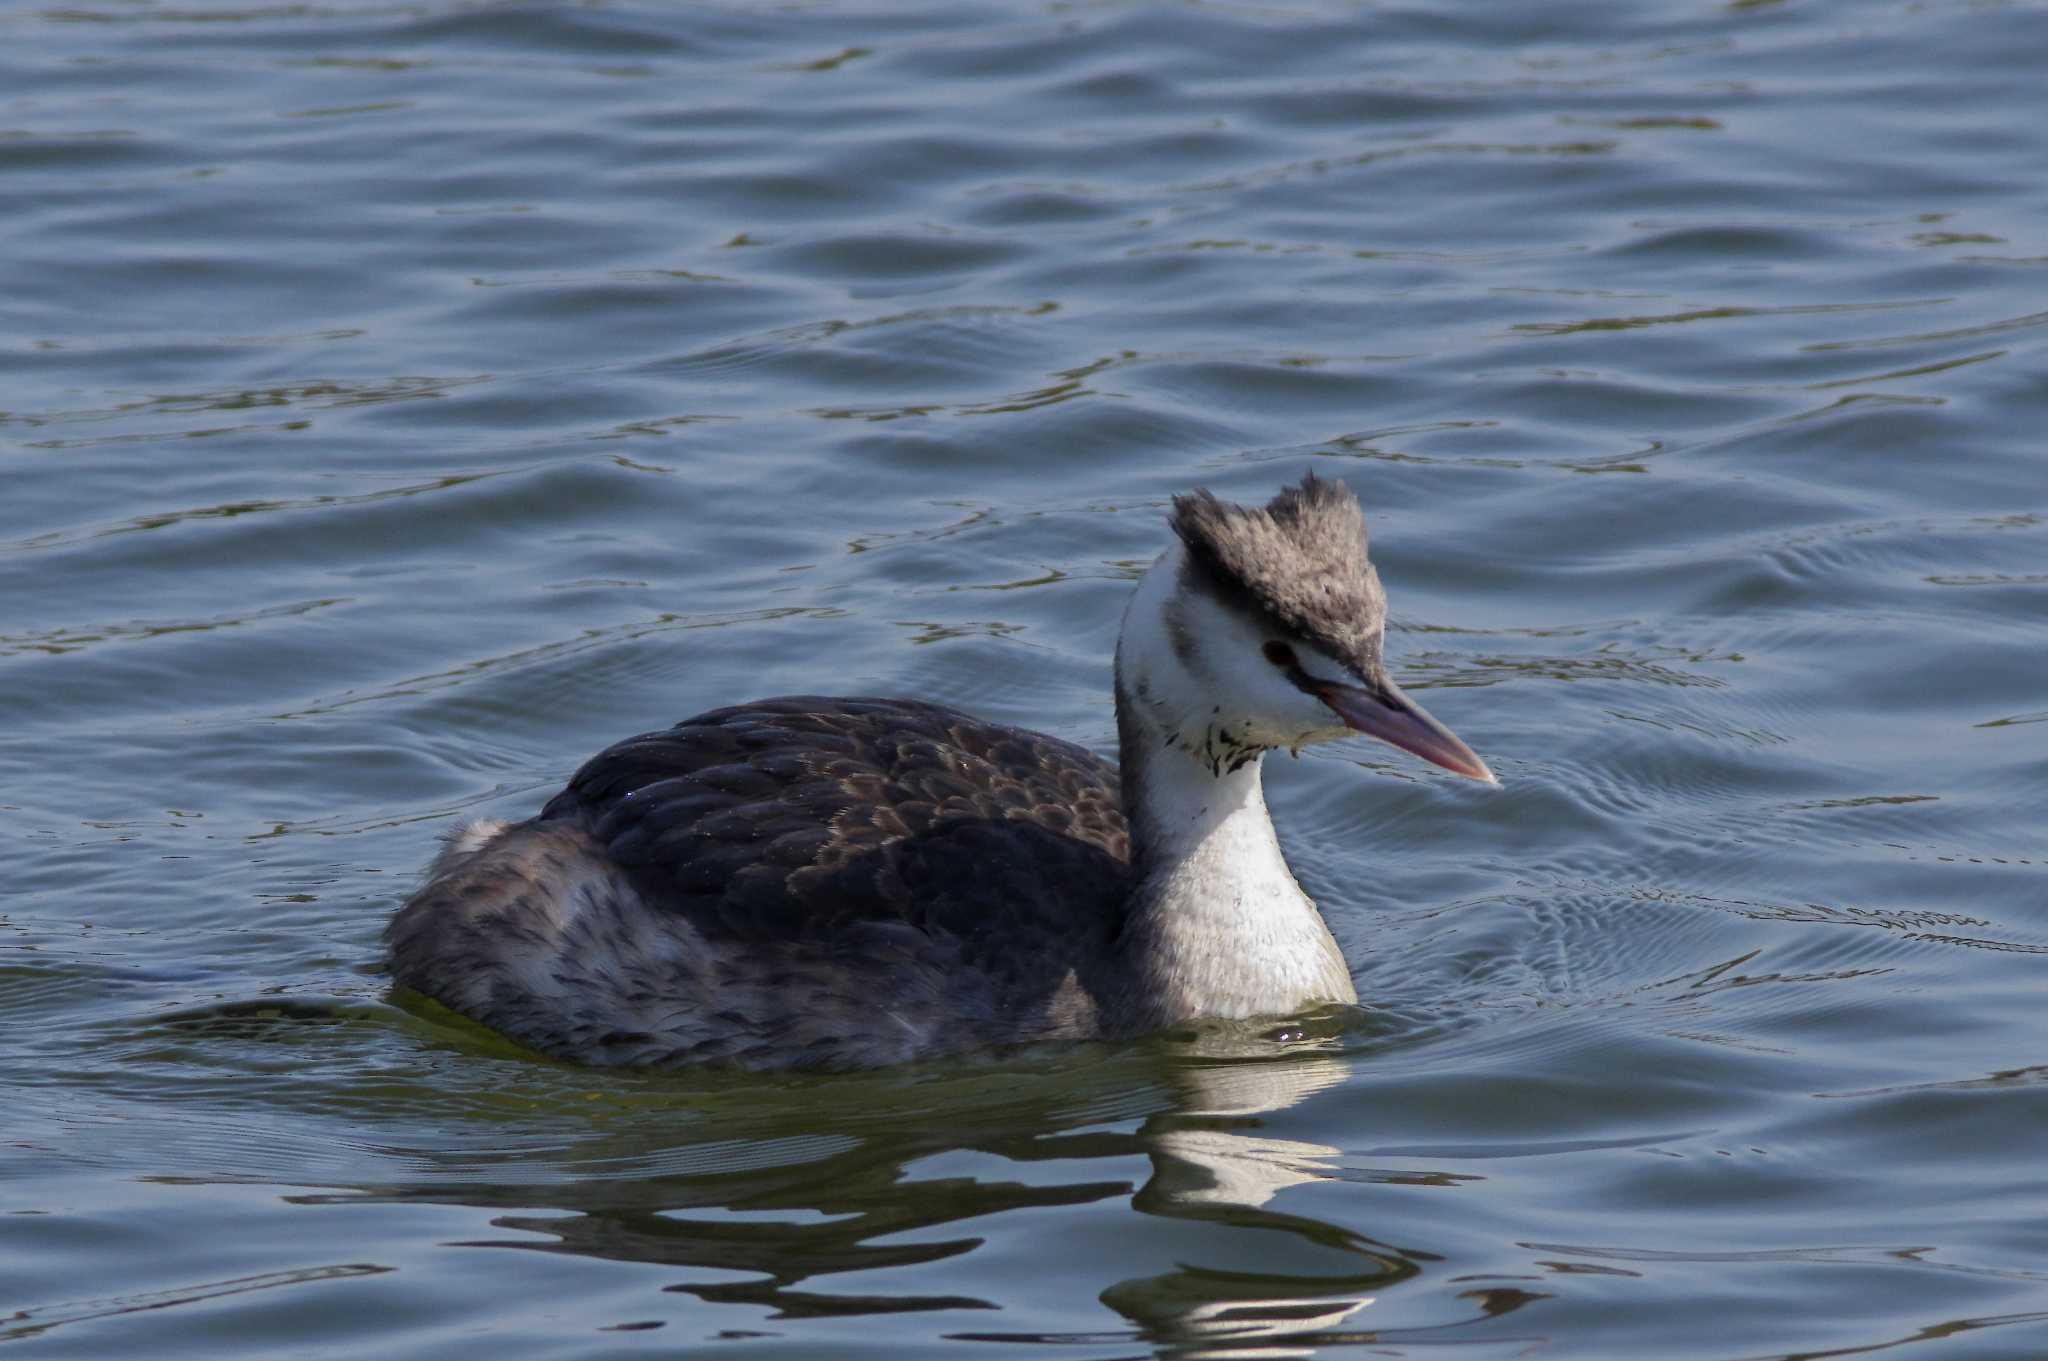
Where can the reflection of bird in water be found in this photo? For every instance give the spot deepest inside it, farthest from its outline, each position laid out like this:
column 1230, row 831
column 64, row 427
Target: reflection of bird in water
column 1208, row 1152
column 1241, row 1319
column 1213, row 1161
column 767, row 1208
column 847, row 882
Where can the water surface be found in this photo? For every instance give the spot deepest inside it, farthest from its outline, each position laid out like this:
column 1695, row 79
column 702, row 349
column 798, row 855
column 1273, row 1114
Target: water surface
column 400, row 401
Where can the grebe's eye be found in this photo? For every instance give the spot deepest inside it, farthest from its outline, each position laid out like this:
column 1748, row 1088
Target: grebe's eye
column 1280, row 654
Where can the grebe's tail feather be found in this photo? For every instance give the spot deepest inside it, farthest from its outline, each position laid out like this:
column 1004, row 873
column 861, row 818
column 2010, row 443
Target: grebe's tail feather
column 506, row 928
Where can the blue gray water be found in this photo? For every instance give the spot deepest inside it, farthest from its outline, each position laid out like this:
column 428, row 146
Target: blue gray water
column 400, row 400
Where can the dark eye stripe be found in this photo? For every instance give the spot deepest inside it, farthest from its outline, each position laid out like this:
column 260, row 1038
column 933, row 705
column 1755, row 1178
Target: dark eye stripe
column 1283, row 657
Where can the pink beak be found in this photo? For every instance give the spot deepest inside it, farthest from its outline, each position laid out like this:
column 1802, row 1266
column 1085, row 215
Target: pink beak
column 1400, row 722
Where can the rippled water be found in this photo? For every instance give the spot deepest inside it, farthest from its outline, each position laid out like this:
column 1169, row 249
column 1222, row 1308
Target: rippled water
column 402, row 400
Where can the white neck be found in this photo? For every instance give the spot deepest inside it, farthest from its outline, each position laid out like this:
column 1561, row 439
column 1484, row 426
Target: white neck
column 1219, row 926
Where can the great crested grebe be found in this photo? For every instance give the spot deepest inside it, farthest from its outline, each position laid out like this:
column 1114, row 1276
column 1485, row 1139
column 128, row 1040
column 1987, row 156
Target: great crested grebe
column 841, row 883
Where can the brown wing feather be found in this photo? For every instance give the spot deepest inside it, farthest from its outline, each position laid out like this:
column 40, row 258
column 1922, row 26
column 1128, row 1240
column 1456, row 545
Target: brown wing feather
column 823, row 819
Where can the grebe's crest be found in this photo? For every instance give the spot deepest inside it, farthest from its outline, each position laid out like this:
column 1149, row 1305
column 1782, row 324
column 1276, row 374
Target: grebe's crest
column 1300, row 559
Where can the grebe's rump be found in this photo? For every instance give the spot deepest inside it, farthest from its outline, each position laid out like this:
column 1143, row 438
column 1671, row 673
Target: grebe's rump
column 821, row 882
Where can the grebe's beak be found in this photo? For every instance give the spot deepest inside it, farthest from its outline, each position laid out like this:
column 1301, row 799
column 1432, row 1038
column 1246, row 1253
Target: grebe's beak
column 1386, row 713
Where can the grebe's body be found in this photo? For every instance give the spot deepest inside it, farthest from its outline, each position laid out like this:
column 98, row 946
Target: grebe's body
column 837, row 883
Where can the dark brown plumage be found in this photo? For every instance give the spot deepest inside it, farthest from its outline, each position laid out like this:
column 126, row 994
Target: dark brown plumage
column 824, row 859
column 788, row 819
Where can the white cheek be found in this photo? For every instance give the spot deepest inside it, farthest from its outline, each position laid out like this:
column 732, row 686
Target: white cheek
column 1298, row 717
column 1253, row 691
column 1228, row 684
column 1306, row 719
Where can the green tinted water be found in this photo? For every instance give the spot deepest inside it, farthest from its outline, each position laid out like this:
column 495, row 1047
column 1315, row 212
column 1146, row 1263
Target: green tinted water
column 398, row 402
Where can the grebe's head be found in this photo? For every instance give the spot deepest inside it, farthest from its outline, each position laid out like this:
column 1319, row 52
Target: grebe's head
column 1261, row 627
